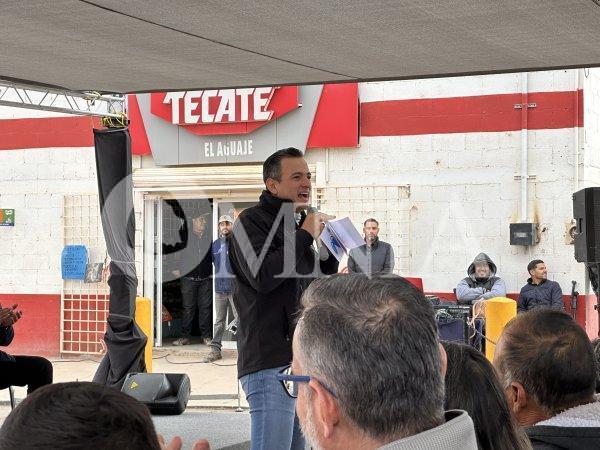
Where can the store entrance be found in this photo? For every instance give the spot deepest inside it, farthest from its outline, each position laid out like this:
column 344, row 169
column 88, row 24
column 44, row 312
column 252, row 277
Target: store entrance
column 187, row 235
column 179, row 252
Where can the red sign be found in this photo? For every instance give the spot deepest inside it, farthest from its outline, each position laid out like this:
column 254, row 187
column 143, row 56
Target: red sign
column 224, row 111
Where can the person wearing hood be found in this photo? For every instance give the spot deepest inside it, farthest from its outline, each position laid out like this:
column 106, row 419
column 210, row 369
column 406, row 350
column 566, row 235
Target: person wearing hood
column 545, row 362
column 481, row 283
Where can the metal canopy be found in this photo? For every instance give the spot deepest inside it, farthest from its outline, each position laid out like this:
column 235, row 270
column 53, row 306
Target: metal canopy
column 122, row 46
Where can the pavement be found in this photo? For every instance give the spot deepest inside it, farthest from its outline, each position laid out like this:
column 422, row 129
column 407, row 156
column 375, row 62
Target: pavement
column 211, row 411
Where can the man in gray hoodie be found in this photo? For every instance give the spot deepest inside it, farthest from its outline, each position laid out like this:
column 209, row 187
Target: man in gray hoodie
column 481, row 283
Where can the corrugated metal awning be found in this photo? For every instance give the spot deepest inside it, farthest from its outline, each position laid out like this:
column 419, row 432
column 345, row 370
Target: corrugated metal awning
column 150, row 45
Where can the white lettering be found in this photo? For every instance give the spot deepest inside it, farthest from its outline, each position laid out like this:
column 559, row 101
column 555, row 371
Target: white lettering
column 173, row 98
column 191, row 103
column 206, row 116
column 244, row 102
column 226, row 106
column 260, row 103
column 228, row 148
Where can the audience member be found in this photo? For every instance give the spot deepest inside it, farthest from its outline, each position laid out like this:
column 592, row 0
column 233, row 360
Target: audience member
column 545, row 363
column 539, row 292
column 19, row 370
column 367, row 369
column 374, row 257
column 70, row 416
column 481, row 282
column 471, row 385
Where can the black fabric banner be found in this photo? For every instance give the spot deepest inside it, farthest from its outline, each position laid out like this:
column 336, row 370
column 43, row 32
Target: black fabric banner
column 125, row 341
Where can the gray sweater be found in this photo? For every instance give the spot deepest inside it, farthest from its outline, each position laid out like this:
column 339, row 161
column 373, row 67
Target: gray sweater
column 457, row 433
column 376, row 259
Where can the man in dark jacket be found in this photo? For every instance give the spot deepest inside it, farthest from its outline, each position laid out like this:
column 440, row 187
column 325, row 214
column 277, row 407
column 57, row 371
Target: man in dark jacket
column 481, row 283
column 374, row 257
column 546, row 363
column 31, row 371
column 273, row 260
column 223, row 275
column 196, row 283
column 539, row 292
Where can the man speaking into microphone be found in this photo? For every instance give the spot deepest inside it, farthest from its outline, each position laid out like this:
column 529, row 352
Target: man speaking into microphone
column 273, row 260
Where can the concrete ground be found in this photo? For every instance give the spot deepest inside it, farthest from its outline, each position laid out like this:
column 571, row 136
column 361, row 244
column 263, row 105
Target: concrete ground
column 211, row 411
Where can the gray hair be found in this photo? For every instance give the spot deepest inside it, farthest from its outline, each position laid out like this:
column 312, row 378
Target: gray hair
column 373, row 342
column 551, row 356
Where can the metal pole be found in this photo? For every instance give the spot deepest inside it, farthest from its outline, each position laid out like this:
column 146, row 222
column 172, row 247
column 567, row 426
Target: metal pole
column 239, row 406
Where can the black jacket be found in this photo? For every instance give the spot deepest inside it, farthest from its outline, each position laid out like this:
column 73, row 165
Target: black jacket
column 563, row 438
column 547, row 294
column 6, row 336
column 265, row 297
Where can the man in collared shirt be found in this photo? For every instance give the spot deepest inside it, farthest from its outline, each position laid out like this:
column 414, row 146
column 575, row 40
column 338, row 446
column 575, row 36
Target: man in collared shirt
column 352, row 394
column 374, row 257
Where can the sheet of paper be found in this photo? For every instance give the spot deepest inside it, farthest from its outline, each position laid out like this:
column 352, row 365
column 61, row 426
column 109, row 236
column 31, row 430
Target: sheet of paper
column 340, row 236
column 346, row 233
column 332, row 244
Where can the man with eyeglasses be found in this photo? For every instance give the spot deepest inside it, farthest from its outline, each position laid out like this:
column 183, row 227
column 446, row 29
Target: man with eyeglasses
column 368, row 369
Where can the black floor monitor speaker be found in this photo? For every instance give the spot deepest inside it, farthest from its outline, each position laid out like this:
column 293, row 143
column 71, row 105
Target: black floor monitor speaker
column 452, row 323
column 163, row 393
column 586, row 212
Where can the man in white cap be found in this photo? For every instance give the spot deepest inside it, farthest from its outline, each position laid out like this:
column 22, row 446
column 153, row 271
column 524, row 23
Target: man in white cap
column 223, row 297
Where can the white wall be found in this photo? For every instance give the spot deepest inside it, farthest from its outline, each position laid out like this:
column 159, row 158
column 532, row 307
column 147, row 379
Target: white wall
column 463, row 188
column 463, row 193
column 33, row 182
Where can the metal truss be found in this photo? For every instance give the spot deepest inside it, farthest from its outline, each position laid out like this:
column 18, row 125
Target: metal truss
column 62, row 101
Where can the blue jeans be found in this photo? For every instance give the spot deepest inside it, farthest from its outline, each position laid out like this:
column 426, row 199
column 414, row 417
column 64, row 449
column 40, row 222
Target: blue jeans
column 274, row 425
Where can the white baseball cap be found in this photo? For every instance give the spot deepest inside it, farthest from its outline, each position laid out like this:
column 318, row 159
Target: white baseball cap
column 225, row 218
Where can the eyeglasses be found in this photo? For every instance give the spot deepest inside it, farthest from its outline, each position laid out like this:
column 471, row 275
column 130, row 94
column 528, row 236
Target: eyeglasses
column 290, row 381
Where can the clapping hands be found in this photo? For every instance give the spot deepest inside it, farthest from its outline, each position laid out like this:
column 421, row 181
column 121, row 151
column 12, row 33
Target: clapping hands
column 9, row 316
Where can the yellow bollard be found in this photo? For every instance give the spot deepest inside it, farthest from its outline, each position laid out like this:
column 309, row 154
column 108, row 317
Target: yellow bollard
column 498, row 312
column 143, row 317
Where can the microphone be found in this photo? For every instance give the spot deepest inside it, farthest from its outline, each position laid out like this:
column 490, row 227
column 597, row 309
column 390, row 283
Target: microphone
column 321, row 249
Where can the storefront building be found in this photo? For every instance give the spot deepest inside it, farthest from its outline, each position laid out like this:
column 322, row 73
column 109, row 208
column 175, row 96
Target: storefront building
column 439, row 163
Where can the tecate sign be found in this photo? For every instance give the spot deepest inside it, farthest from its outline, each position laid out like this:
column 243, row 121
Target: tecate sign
column 222, row 106
column 225, row 111
column 241, row 125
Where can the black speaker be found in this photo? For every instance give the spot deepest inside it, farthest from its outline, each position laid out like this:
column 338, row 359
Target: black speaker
column 586, row 212
column 163, row 393
column 452, row 323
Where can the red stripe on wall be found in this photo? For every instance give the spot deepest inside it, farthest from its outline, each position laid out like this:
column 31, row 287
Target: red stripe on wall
column 38, row 331
column 46, row 132
column 484, row 113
